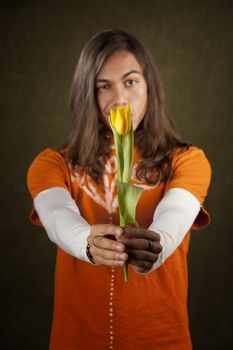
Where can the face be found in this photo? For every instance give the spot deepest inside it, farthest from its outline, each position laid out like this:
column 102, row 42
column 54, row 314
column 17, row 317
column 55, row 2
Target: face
column 121, row 81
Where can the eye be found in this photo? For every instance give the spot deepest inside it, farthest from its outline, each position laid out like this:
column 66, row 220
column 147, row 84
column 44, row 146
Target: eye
column 131, row 82
column 104, row 86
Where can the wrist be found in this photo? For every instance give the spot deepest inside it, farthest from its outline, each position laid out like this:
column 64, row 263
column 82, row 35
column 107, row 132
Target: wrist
column 89, row 255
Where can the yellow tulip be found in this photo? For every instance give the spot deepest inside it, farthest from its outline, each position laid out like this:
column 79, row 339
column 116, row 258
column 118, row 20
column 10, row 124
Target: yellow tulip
column 121, row 119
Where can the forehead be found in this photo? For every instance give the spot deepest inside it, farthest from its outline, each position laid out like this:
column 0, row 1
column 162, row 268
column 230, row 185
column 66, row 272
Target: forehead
column 119, row 63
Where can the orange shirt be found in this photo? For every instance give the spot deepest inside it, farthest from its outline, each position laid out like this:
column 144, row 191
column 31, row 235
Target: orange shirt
column 94, row 309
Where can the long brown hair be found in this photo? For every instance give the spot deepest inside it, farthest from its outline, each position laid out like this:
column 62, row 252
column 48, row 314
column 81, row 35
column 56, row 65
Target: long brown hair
column 90, row 138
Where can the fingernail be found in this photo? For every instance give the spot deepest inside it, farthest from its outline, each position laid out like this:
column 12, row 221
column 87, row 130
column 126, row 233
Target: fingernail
column 118, row 232
column 122, row 257
column 119, row 247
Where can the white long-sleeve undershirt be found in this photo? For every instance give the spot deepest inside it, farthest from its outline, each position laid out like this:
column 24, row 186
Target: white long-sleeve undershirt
column 172, row 219
column 60, row 216
column 62, row 221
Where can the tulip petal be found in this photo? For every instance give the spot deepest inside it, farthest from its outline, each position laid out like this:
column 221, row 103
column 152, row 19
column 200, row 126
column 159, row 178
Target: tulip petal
column 121, row 119
column 112, row 117
column 119, row 122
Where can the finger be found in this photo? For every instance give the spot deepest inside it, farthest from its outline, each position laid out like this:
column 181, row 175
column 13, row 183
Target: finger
column 142, row 255
column 107, row 257
column 154, row 247
column 106, row 243
column 139, row 232
column 108, row 254
column 141, row 269
column 136, row 243
column 111, row 263
column 106, row 229
column 141, row 265
column 142, row 244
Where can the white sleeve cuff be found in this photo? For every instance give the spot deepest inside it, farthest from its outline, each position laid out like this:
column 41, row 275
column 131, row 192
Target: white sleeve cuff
column 62, row 221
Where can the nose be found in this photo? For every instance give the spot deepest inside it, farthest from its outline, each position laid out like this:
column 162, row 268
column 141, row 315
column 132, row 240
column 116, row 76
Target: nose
column 119, row 97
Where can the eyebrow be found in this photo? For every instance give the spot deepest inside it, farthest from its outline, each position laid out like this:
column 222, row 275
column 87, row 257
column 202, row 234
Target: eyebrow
column 123, row 76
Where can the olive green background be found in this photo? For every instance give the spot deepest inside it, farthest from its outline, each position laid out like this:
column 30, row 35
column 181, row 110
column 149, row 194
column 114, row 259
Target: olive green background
column 40, row 42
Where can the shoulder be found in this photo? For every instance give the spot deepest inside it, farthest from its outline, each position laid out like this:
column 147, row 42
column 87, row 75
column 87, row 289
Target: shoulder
column 191, row 171
column 192, row 156
column 191, row 162
column 48, row 169
column 49, row 155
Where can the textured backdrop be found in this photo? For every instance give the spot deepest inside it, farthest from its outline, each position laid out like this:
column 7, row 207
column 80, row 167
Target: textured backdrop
column 40, row 42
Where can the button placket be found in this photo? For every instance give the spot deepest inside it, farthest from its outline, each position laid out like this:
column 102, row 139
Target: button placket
column 111, row 310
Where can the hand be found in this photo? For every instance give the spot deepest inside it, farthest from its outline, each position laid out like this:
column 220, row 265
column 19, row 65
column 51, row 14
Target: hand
column 104, row 247
column 142, row 246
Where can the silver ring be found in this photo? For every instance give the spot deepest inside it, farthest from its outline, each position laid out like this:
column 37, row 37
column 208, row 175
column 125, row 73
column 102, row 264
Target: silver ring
column 150, row 246
column 94, row 240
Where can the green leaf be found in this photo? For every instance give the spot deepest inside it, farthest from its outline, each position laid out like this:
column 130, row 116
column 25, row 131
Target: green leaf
column 128, row 197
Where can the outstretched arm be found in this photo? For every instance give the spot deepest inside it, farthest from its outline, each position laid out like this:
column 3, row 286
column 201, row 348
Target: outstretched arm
column 173, row 217
column 65, row 227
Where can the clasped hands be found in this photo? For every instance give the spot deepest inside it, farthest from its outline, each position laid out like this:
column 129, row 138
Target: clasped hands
column 112, row 246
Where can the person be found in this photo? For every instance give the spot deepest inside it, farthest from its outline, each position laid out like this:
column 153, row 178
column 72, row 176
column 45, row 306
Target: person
column 75, row 200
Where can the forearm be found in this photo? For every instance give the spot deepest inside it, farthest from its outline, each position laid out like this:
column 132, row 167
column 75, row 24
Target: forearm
column 62, row 221
column 172, row 219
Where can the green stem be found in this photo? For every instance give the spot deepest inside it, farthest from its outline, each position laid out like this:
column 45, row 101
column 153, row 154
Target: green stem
column 127, row 150
column 119, row 154
column 126, row 272
column 123, row 225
